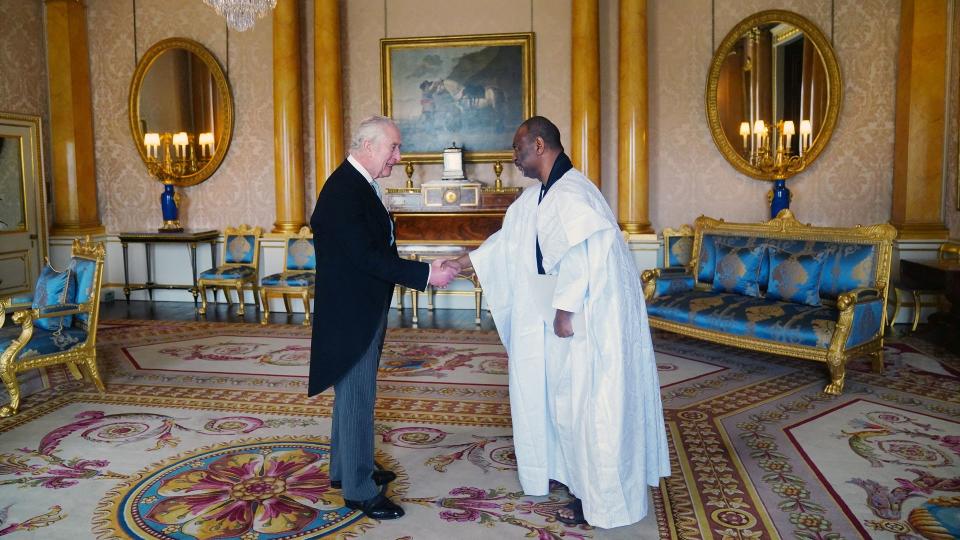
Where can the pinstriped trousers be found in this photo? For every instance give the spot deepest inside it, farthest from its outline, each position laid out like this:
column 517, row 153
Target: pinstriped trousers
column 351, row 435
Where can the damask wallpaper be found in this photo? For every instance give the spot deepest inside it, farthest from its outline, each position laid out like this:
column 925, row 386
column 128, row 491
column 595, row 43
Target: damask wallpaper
column 850, row 183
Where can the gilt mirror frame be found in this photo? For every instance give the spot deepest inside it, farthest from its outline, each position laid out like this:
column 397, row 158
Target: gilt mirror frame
column 834, row 87
column 224, row 115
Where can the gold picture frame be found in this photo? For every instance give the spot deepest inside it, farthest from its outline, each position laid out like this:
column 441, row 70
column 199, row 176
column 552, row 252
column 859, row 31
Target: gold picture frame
column 472, row 90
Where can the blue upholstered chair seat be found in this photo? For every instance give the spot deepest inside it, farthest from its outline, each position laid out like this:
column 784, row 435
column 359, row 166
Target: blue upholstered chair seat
column 731, row 313
column 289, row 279
column 229, row 272
column 43, row 341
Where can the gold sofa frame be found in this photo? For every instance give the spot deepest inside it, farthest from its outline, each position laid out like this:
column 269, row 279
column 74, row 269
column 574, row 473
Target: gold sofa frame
column 786, row 226
column 303, row 293
column 237, row 284
column 84, row 354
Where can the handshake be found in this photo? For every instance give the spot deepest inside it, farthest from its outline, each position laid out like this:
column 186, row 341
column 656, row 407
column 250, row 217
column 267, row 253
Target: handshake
column 442, row 272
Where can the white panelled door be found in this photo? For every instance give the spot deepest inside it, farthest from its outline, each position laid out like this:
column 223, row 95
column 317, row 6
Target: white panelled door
column 23, row 228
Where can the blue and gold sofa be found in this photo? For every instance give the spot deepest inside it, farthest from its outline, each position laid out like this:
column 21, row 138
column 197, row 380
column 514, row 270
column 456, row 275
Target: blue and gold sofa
column 780, row 287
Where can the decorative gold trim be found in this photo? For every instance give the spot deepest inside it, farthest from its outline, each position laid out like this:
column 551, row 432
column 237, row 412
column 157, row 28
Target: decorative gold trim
column 524, row 39
column 834, row 88
column 225, row 118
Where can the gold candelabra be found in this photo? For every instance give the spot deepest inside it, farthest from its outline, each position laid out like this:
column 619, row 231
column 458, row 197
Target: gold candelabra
column 772, row 147
column 171, row 156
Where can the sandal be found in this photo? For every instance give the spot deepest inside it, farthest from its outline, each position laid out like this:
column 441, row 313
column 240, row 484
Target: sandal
column 576, row 508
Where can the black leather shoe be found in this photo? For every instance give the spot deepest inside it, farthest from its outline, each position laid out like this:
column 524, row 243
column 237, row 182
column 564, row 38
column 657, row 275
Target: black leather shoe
column 380, row 477
column 378, row 507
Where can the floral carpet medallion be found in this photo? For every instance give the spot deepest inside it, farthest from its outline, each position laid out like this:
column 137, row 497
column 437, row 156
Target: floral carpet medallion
column 256, row 489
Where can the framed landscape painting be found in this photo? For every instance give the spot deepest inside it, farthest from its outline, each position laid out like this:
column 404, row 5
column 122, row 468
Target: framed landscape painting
column 470, row 90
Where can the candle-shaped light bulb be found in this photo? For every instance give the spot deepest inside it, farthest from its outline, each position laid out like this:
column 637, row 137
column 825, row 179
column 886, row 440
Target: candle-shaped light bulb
column 806, row 133
column 151, row 141
column 744, row 132
column 205, row 140
column 758, row 131
column 180, row 140
column 788, row 130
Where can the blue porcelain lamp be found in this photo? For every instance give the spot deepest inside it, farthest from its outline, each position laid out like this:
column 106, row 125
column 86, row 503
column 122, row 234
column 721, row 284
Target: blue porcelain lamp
column 169, row 158
column 170, row 208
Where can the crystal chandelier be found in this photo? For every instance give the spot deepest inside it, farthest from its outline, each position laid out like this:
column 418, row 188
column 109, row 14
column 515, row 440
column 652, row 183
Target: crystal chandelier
column 240, row 13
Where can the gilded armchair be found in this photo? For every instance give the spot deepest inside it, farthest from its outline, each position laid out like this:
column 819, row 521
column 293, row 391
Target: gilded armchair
column 297, row 278
column 54, row 327
column 241, row 257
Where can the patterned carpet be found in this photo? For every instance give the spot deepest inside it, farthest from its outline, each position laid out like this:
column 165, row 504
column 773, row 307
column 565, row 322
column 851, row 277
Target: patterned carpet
column 205, row 432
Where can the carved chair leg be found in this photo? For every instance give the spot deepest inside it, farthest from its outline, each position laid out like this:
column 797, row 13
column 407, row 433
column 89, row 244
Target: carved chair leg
column 916, row 310
column 202, row 310
column 74, row 370
column 431, row 297
column 90, row 366
column 415, row 305
column 306, row 308
column 876, row 360
column 286, row 303
column 240, row 299
column 265, row 299
column 837, row 375
column 13, row 388
column 896, row 306
column 400, row 290
column 477, row 299
column 256, row 295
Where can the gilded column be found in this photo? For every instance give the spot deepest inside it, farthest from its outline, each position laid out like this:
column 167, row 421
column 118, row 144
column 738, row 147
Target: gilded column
column 287, row 135
column 71, row 120
column 585, row 65
column 920, row 120
column 328, row 99
column 633, row 177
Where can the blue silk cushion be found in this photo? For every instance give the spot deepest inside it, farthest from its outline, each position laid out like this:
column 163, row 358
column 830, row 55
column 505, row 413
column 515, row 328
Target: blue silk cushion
column 737, row 269
column 289, row 279
column 795, row 277
column 228, row 272
column 84, row 270
column 54, row 288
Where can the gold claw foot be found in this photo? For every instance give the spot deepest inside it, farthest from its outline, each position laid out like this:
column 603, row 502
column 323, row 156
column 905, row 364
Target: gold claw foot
column 7, row 411
column 835, row 388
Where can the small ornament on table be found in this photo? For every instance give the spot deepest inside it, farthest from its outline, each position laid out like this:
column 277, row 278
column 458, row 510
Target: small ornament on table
column 409, row 170
column 170, row 207
column 498, row 170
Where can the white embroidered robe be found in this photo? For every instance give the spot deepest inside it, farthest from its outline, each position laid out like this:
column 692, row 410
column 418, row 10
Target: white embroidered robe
column 586, row 410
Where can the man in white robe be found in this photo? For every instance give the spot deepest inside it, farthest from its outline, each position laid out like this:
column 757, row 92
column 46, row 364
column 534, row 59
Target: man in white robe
column 584, row 391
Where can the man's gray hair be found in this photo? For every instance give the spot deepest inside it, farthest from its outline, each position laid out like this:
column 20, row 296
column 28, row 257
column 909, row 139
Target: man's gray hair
column 370, row 129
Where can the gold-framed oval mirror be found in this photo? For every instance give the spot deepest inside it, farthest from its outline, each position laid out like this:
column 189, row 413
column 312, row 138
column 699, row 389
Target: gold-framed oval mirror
column 181, row 111
column 774, row 67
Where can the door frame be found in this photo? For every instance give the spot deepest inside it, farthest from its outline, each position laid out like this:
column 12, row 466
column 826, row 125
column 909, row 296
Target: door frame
column 14, row 125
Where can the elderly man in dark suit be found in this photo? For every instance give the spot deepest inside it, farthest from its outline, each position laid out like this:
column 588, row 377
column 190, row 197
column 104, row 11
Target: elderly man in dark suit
column 357, row 268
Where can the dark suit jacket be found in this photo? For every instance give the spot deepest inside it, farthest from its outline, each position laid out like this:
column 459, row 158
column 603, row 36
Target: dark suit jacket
column 357, row 268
